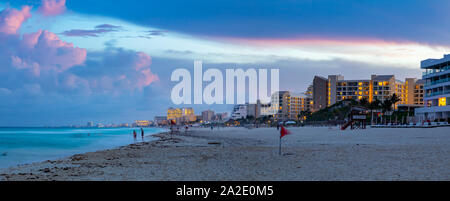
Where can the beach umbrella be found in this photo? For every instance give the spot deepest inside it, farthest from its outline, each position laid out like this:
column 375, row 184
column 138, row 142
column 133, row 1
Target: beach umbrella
column 283, row 132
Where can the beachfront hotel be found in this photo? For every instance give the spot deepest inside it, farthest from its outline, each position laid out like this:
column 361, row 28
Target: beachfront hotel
column 285, row 105
column 207, row 115
column 327, row 92
column 181, row 115
column 142, row 123
column 437, row 90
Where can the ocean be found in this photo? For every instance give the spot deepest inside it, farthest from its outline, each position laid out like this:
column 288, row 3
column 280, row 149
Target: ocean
column 28, row 145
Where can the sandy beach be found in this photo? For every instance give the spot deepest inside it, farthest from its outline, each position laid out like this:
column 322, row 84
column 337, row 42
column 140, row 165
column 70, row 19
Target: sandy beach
column 240, row 154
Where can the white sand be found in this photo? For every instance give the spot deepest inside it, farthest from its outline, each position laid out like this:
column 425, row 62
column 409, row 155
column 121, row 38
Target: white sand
column 309, row 154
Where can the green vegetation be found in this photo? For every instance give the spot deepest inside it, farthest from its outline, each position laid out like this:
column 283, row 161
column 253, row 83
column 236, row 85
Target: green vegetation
column 341, row 110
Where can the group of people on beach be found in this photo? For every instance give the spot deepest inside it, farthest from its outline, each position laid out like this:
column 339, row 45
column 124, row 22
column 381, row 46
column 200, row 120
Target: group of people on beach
column 135, row 134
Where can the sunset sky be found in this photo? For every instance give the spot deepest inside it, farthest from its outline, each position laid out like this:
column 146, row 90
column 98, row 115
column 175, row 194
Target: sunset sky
column 72, row 61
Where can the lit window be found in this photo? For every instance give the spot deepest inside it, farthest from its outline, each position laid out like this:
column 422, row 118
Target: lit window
column 443, row 101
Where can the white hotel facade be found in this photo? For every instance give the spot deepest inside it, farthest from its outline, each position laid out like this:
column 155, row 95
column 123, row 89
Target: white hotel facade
column 437, row 90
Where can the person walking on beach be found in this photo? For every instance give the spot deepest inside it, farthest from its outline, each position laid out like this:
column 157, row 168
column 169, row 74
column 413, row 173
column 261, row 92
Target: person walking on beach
column 134, row 135
column 142, row 134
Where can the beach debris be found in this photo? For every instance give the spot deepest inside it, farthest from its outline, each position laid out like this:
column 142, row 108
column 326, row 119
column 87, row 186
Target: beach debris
column 77, row 158
column 214, row 143
column 46, row 170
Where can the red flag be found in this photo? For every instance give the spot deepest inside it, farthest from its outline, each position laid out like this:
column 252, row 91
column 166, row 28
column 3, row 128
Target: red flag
column 284, row 132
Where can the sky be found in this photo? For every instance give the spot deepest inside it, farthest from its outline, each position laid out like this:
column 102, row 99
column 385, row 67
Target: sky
column 68, row 62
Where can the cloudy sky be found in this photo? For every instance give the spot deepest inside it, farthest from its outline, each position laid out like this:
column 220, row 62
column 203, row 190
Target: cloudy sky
column 72, row 61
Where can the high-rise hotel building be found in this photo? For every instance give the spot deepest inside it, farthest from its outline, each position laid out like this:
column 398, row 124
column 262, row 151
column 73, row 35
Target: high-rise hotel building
column 437, row 90
column 285, row 105
column 181, row 114
column 327, row 92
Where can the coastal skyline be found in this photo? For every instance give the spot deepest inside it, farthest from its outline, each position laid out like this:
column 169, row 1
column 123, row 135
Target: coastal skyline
column 69, row 62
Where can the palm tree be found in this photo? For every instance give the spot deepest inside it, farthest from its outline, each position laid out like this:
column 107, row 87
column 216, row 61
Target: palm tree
column 394, row 99
column 373, row 106
column 363, row 102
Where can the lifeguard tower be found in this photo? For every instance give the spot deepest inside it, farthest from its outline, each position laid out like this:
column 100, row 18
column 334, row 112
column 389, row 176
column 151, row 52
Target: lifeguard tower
column 356, row 119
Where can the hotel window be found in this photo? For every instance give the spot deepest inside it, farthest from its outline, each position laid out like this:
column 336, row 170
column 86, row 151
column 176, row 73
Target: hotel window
column 442, row 102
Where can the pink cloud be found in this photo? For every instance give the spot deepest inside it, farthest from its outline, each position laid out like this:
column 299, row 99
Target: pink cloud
column 20, row 64
column 142, row 66
column 12, row 19
column 43, row 60
column 143, row 60
column 52, row 7
column 146, row 78
column 50, row 52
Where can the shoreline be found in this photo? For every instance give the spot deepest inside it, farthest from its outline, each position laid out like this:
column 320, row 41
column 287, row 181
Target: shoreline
column 239, row 154
column 65, row 156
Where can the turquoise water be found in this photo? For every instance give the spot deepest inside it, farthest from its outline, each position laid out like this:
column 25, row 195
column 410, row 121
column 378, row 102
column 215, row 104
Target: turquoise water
column 27, row 145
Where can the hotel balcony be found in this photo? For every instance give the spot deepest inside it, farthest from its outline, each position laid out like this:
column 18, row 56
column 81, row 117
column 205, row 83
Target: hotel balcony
column 437, row 90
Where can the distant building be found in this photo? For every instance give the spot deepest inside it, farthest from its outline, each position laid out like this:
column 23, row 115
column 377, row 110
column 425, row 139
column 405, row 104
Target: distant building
column 286, row 105
column 181, row 115
column 188, row 115
column 266, row 109
column 207, row 115
column 437, row 90
column 414, row 91
column 319, row 92
column 143, row 123
column 174, row 113
column 379, row 87
column 161, row 120
column 299, row 103
column 280, row 105
column 254, row 110
column 220, row 117
column 90, row 124
column 239, row 112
